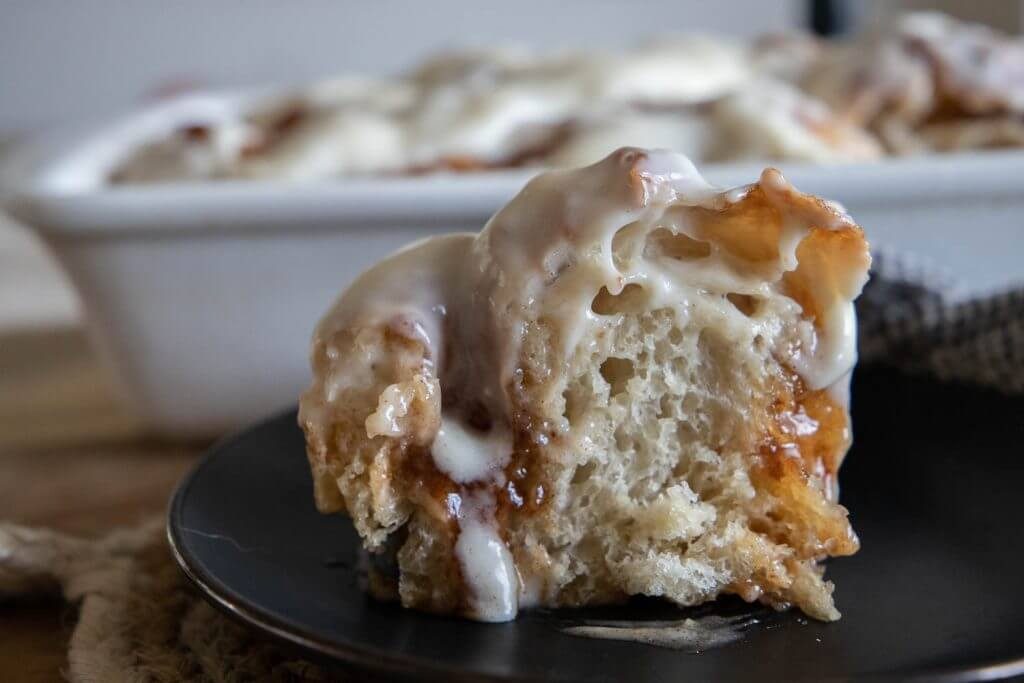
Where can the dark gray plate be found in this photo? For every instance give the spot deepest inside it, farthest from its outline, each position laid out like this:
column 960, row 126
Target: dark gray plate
column 935, row 483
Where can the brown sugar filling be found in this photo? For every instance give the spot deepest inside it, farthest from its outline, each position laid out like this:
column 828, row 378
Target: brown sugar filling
column 808, row 425
column 749, row 229
column 430, row 488
column 824, row 257
column 277, row 130
column 805, row 434
column 525, row 490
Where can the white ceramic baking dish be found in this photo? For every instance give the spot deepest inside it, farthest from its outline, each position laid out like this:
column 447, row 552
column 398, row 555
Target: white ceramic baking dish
column 202, row 296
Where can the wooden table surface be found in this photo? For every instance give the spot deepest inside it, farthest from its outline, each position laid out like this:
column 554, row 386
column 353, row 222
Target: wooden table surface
column 70, row 459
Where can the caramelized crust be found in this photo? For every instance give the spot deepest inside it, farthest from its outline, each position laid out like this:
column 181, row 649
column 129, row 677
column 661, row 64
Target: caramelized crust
column 826, row 259
column 748, row 230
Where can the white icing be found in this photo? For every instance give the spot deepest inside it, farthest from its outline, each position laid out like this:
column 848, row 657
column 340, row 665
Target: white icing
column 839, row 391
column 499, row 108
column 545, row 256
column 592, row 137
column 709, row 98
column 558, row 217
column 487, row 566
column 409, row 292
column 344, row 142
column 467, row 455
column 900, row 74
column 693, row 635
column 391, row 407
column 587, row 217
column 677, row 70
column 834, row 351
column 977, row 63
column 769, row 119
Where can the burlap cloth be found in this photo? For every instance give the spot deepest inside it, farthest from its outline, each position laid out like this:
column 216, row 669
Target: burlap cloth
column 140, row 621
column 138, row 618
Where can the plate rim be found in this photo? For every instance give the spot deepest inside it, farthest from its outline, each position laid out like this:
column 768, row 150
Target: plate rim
column 228, row 602
column 371, row 659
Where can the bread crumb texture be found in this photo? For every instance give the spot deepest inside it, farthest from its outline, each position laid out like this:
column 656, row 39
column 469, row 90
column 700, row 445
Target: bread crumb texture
column 676, row 440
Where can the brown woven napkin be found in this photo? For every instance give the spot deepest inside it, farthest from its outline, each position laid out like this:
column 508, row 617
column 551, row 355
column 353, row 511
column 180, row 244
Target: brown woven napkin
column 912, row 317
column 138, row 620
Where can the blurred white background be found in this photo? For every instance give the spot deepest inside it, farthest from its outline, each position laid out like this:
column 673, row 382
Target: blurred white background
column 62, row 61
column 73, row 59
